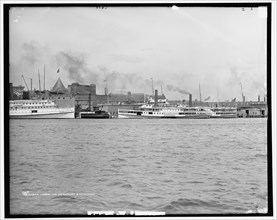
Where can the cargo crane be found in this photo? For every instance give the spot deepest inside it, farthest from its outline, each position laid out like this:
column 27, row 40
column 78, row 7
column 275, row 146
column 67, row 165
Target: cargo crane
column 26, row 83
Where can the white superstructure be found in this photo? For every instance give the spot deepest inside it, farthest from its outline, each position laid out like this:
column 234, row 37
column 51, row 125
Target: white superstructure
column 224, row 112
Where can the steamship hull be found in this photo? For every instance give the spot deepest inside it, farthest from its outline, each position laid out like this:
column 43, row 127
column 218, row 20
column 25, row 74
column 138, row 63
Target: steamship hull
column 94, row 115
column 53, row 115
column 224, row 116
column 121, row 116
column 178, row 114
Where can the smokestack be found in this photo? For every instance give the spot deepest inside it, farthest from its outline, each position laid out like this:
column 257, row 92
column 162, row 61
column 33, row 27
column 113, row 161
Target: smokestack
column 89, row 104
column 243, row 99
column 259, row 98
column 26, row 95
column 190, row 100
column 156, row 97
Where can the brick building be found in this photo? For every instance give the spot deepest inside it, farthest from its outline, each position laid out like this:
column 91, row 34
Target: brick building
column 78, row 89
column 16, row 92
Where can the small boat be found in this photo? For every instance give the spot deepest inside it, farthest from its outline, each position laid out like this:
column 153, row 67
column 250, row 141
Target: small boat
column 95, row 114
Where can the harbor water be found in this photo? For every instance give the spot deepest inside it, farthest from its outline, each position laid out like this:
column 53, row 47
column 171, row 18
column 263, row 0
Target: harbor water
column 71, row 166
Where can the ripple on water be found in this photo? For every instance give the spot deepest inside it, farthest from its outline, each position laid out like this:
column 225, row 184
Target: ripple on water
column 65, row 198
column 139, row 164
column 186, row 206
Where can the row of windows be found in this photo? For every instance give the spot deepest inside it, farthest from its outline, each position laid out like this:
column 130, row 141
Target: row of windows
column 226, row 113
column 31, row 103
column 31, row 107
column 175, row 110
column 162, row 113
column 35, row 103
column 180, row 113
column 187, row 113
column 150, row 109
column 185, row 109
column 134, row 112
column 230, row 110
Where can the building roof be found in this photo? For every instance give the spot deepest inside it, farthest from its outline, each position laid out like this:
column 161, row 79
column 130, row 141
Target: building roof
column 58, row 87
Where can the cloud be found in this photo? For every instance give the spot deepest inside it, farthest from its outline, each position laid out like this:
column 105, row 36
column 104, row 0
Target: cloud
column 129, row 46
column 127, row 58
column 32, row 53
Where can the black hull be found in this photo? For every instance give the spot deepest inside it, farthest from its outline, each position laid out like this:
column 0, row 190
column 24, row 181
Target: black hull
column 93, row 116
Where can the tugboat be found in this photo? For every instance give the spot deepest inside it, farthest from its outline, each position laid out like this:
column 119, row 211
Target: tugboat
column 95, row 114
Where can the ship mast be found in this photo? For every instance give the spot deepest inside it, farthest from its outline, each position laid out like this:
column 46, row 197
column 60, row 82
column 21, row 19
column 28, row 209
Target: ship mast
column 44, row 77
column 200, row 94
column 152, row 88
column 39, row 83
column 106, row 91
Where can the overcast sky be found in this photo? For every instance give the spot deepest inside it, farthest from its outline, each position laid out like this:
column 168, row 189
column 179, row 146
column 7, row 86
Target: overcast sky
column 179, row 48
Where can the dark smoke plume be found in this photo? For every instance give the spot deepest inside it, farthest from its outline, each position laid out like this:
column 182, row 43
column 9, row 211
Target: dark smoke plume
column 131, row 81
column 32, row 55
column 31, row 58
column 176, row 89
column 78, row 70
column 76, row 67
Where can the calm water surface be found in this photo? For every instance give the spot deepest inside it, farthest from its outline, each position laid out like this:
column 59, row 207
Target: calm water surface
column 177, row 166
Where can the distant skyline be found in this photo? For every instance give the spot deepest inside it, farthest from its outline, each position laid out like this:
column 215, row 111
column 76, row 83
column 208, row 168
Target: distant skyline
column 179, row 47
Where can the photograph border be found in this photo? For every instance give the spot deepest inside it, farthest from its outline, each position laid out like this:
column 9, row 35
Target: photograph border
column 6, row 8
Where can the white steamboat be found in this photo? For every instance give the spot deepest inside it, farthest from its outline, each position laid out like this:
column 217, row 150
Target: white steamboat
column 152, row 111
column 39, row 109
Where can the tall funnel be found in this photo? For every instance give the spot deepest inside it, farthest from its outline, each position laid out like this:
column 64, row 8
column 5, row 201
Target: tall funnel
column 190, row 100
column 156, row 97
column 89, row 104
